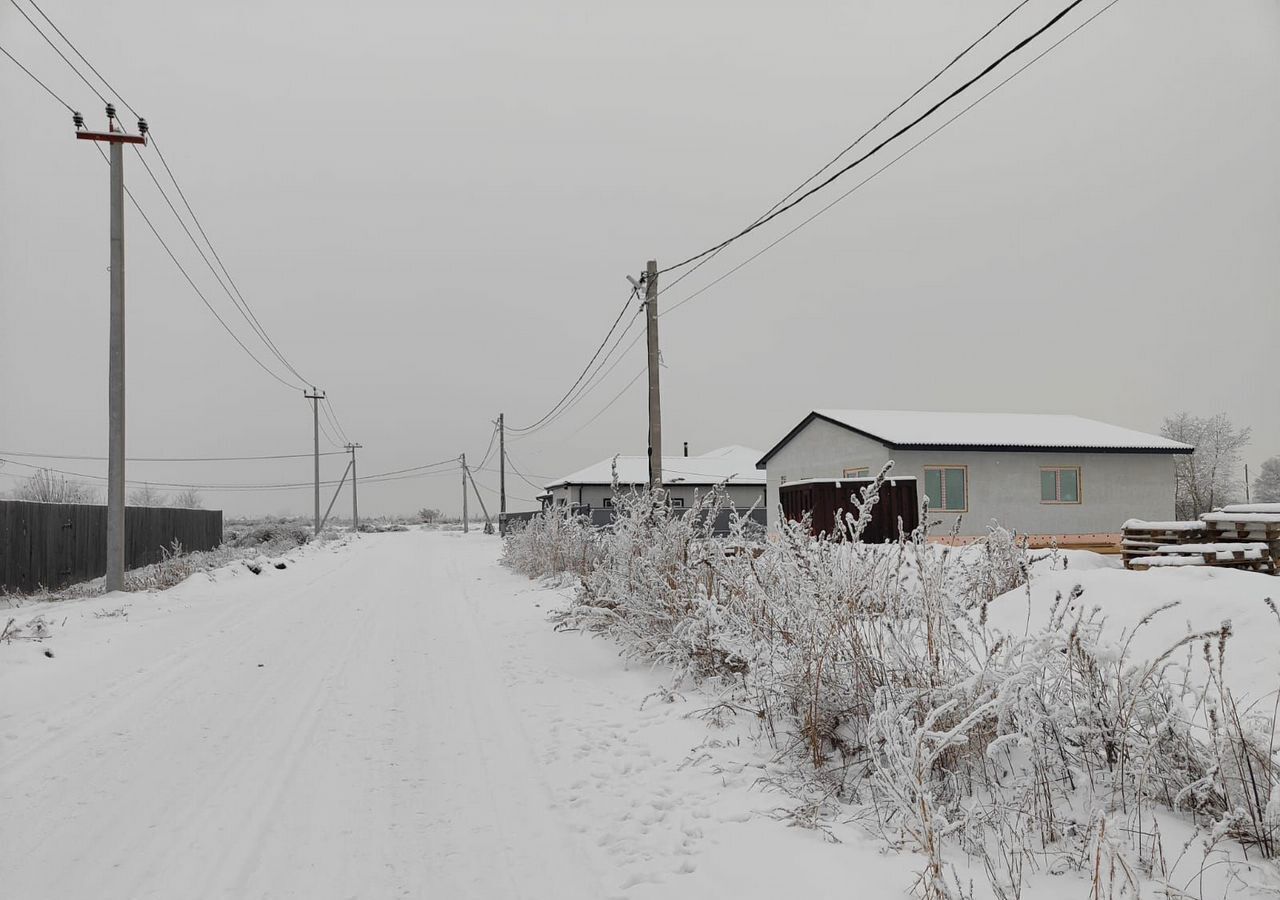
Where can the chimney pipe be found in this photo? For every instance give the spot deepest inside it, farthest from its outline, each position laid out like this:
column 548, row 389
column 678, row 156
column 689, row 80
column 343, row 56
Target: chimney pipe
column 686, row 448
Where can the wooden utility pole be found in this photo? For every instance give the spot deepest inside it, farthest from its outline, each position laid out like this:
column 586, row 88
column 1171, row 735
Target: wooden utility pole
column 315, row 397
column 655, row 395
column 502, row 467
column 466, row 527
column 355, row 507
column 115, row 138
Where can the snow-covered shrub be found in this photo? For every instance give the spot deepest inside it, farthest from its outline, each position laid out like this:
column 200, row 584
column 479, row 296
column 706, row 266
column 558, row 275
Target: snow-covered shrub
column 875, row 669
column 278, row 535
column 550, row 545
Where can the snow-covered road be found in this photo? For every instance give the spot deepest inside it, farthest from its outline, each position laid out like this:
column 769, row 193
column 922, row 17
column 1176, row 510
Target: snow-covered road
column 392, row 717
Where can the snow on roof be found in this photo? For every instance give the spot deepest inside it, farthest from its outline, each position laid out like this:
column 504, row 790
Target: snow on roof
column 734, row 464
column 902, row 429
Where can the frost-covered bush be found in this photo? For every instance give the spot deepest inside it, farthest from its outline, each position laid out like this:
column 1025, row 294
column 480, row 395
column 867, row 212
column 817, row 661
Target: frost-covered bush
column 552, row 544
column 278, row 535
column 874, row 668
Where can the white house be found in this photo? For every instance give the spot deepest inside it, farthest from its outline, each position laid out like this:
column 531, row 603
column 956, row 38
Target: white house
column 1038, row 474
column 733, row 466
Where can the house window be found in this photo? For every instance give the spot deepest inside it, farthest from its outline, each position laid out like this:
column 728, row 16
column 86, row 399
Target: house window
column 947, row 488
column 677, row 502
column 857, row 472
column 608, row 503
column 1060, row 484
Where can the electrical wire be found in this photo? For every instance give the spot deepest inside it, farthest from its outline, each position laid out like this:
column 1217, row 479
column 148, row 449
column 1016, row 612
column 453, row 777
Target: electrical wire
column 333, row 419
column 396, row 475
column 521, row 476
column 50, row 42
column 199, row 294
column 597, row 378
column 168, row 459
column 893, row 161
column 859, row 139
column 237, row 299
column 791, row 204
column 616, row 398
column 32, row 76
column 493, row 436
column 77, row 52
column 622, row 312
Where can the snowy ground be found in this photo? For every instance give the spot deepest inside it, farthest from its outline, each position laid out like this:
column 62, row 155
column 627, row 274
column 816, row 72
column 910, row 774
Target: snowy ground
column 395, row 717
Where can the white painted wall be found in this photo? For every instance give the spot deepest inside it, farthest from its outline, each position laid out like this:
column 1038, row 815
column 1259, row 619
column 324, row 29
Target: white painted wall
column 1003, row 486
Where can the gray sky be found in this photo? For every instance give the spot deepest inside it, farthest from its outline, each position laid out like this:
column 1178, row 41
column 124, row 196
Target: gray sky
column 432, row 207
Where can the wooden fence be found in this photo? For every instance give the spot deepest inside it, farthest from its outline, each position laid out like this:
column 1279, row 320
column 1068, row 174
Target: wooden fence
column 52, row 545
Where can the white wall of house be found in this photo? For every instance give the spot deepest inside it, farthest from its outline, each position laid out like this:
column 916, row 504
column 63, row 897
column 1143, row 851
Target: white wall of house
column 594, row 495
column 1002, row 485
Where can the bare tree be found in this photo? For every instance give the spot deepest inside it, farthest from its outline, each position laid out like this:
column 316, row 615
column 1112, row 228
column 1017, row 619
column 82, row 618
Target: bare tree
column 48, row 486
column 146, row 496
column 1266, row 486
column 187, row 498
column 1205, row 479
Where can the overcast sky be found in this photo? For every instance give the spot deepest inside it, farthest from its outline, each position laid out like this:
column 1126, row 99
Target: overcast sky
column 432, row 207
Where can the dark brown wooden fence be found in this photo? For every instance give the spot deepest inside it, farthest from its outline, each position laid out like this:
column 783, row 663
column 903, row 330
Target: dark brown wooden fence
column 824, row 499
column 55, row 544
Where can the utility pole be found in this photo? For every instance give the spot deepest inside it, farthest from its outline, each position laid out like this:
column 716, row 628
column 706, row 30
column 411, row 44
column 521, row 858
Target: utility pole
column 115, row 138
column 655, row 396
column 466, row 525
column 502, row 467
column 315, row 397
column 355, row 508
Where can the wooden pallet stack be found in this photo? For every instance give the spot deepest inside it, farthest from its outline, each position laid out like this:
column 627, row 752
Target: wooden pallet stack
column 1144, row 539
column 1244, row 537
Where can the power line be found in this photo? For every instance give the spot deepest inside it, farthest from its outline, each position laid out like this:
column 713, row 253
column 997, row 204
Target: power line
column 596, row 379
column 858, row 140
column 893, row 161
column 169, row 459
column 622, row 312
column 779, row 210
column 238, row 299
column 77, row 52
column 247, row 310
column 50, row 42
column 199, row 294
column 243, row 313
column 332, row 415
column 521, row 476
column 32, row 76
column 616, row 398
column 396, row 475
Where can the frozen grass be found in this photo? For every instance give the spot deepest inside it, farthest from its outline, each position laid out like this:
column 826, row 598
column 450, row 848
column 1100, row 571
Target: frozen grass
column 875, row 671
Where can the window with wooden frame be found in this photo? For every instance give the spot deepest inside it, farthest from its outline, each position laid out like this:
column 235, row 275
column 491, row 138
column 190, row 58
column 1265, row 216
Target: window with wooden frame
column 608, row 503
column 1060, row 484
column 677, row 502
column 857, row 472
column 947, row 488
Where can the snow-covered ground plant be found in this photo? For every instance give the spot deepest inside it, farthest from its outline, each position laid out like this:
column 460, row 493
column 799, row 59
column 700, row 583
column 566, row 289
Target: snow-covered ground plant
column 877, row 671
column 551, row 545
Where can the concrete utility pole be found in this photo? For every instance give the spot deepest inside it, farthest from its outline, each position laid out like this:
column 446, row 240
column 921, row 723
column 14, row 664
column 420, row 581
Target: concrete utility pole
column 502, row 466
column 466, row 525
column 315, row 397
column 355, row 507
column 115, row 138
column 655, row 396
